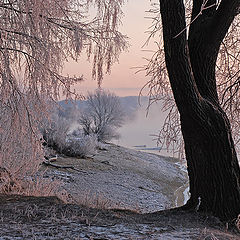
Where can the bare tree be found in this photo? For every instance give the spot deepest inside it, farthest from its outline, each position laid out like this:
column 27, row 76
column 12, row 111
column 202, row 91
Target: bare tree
column 102, row 116
column 195, row 60
column 36, row 37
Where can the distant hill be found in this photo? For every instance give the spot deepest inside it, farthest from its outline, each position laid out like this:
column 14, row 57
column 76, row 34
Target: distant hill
column 130, row 105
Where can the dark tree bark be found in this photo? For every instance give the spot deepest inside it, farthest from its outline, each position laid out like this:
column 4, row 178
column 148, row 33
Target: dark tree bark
column 213, row 168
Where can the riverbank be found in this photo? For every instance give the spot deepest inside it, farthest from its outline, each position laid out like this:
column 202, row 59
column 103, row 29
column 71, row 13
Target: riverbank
column 123, row 178
column 104, row 188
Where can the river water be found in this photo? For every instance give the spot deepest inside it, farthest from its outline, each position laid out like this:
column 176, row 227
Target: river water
column 140, row 130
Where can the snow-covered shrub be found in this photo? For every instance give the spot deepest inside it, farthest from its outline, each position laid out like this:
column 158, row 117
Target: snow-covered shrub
column 101, row 146
column 55, row 132
column 57, row 136
column 81, row 146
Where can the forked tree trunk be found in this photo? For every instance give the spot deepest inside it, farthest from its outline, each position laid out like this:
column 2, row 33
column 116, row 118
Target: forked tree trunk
column 213, row 167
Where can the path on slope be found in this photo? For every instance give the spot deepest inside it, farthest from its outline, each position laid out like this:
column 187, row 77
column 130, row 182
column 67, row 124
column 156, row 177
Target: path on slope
column 125, row 178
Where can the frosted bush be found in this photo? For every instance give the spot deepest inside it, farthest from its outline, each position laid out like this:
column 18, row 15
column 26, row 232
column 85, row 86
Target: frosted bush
column 75, row 144
column 101, row 146
column 81, row 146
column 56, row 133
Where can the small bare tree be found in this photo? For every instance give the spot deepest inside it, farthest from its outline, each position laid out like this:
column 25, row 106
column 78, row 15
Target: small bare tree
column 102, row 116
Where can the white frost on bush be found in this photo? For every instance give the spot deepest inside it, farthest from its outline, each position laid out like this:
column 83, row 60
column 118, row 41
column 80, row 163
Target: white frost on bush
column 101, row 146
column 82, row 145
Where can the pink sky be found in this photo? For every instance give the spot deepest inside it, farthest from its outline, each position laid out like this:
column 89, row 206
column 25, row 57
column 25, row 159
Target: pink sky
column 123, row 80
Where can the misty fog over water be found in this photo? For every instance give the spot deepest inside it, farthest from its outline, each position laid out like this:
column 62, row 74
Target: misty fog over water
column 140, row 131
column 141, row 127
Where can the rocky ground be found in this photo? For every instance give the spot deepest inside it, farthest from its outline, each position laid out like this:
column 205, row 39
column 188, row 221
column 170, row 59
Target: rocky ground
column 116, row 178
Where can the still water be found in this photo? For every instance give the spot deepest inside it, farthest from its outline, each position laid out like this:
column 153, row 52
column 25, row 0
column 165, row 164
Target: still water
column 141, row 131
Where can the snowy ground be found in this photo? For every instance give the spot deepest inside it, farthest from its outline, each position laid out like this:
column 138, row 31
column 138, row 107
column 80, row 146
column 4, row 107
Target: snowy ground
column 125, row 178
column 115, row 178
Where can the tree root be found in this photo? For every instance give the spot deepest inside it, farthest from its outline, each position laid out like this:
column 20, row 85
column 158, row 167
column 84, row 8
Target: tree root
column 47, row 163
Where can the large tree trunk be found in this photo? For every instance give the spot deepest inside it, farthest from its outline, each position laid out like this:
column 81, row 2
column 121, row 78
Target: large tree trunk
column 212, row 163
column 213, row 168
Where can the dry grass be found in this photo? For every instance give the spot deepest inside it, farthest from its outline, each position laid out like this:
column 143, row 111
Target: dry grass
column 31, row 186
column 101, row 202
column 95, row 200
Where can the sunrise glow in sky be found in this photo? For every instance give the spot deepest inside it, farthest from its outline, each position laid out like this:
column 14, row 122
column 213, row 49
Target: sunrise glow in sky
column 123, row 80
